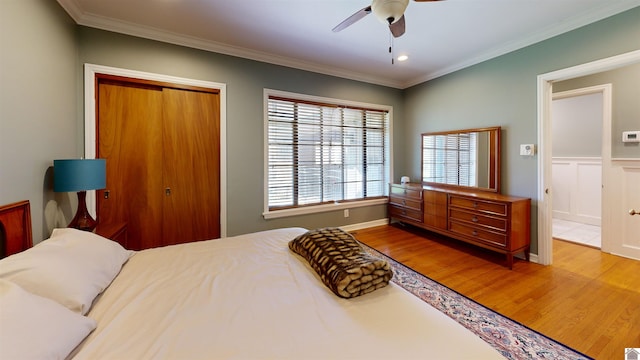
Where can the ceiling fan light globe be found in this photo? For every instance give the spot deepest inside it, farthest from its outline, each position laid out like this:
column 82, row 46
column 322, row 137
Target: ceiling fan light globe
column 389, row 11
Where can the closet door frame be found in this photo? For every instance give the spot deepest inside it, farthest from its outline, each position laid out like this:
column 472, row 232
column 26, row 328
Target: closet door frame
column 90, row 88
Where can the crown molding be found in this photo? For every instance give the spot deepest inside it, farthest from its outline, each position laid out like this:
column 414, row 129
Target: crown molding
column 128, row 28
column 609, row 8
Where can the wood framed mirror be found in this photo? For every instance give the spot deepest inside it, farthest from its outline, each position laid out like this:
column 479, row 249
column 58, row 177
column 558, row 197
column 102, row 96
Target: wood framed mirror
column 466, row 159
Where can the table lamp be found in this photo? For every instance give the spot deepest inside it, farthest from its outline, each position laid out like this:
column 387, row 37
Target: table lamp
column 80, row 175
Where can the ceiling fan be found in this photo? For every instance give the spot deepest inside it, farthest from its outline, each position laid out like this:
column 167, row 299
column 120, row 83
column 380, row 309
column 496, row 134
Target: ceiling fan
column 388, row 11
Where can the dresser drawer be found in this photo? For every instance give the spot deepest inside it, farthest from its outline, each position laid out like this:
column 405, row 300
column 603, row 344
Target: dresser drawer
column 439, row 222
column 401, row 212
column 435, row 209
column 479, row 234
column 496, row 223
column 496, row 208
column 435, row 197
column 409, row 203
column 409, row 193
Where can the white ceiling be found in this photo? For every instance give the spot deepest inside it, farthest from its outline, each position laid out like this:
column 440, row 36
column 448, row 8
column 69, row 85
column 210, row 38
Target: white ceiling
column 441, row 37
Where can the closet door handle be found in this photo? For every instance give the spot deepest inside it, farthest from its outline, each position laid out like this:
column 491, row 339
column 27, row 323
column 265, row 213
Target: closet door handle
column 634, row 212
column 167, row 191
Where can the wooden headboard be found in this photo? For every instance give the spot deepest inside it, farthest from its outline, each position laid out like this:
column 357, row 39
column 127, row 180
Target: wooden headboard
column 15, row 228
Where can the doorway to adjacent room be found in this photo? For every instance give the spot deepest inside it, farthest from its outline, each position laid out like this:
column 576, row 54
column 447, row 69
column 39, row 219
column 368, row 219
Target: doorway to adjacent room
column 620, row 174
column 577, row 122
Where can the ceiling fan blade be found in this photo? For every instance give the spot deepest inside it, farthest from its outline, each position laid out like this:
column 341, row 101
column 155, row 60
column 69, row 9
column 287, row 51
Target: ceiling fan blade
column 352, row 19
column 397, row 28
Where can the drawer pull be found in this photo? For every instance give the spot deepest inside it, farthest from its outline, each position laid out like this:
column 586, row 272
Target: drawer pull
column 475, row 219
column 404, row 212
column 475, row 233
column 404, row 202
column 475, row 205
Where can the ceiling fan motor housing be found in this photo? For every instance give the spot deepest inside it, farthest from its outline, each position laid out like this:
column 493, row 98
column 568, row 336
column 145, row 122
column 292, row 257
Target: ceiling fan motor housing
column 389, row 11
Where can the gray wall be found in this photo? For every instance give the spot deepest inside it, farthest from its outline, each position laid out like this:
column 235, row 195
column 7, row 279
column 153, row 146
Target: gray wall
column 576, row 126
column 245, row 80
column 625, row 83
column 41, row 104
column 38, row 102
column 42, row 108
column 502, row 91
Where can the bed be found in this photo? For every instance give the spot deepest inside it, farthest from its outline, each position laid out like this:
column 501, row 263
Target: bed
column 77, row 295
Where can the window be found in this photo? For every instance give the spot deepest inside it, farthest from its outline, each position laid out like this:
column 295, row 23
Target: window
column 450, row 159
column 324, row 151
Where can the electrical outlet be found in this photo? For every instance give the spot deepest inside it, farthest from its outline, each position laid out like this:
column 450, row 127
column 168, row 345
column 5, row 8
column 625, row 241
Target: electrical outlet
column 346, row 213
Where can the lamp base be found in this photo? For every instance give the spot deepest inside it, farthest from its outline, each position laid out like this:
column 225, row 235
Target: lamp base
column 83, row 220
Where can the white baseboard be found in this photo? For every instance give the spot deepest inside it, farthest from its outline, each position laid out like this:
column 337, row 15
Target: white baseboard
column 583, row 219
column 364, row 225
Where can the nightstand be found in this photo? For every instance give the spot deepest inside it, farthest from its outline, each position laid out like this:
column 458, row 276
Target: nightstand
column 114, row 231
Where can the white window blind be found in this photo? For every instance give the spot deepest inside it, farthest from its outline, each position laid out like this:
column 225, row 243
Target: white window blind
column 321, row 153
column 450, row 159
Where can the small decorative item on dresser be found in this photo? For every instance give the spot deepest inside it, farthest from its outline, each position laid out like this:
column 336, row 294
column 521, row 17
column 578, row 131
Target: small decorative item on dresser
column 405, row 180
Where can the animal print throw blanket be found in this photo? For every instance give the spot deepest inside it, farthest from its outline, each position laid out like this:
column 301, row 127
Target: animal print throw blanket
column 341, row 262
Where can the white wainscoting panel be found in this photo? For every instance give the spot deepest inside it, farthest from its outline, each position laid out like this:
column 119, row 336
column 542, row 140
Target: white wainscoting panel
column 563, row 180
column 577, row 189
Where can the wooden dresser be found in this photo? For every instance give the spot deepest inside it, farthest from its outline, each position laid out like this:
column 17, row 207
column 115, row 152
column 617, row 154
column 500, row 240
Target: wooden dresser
column 497, row 222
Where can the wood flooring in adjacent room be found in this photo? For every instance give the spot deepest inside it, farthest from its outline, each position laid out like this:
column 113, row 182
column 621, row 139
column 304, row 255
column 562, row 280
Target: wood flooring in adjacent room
column 587, row 299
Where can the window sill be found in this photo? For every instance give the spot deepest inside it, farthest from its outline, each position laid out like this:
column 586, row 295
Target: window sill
column 321, row 208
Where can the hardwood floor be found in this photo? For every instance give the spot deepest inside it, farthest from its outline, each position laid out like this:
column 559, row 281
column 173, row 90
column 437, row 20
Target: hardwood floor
column 587, row 299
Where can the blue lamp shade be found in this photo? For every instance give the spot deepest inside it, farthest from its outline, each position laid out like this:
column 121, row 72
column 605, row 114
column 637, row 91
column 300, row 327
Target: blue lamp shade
column 79, row 175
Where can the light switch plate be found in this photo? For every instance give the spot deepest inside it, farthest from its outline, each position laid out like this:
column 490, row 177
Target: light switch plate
column 631, row 136
column 527, row 149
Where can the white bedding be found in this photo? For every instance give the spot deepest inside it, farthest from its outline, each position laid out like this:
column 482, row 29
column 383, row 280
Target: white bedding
column 250, row 297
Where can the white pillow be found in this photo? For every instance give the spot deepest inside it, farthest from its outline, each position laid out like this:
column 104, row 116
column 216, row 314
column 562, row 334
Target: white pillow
column 33, row 327
column 72, row 267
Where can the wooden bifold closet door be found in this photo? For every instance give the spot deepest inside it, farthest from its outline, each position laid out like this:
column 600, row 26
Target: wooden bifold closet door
column 162, row 146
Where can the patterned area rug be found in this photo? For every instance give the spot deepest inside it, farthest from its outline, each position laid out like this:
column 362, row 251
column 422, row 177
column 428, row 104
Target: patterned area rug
column 512, row 339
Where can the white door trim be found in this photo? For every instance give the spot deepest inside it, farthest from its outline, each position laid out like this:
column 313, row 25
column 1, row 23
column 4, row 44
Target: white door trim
column 90, row 71
column 545, row 94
